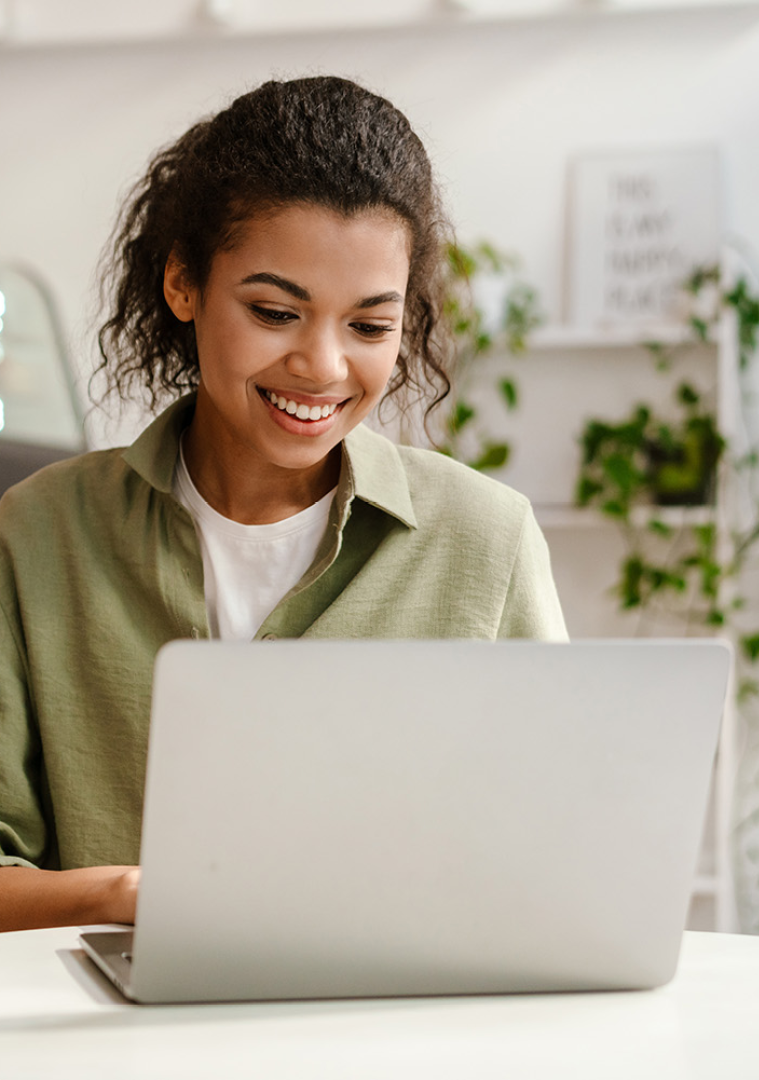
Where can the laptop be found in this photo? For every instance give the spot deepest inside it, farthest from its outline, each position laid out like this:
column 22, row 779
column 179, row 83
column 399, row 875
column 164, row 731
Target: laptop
column 332, row 819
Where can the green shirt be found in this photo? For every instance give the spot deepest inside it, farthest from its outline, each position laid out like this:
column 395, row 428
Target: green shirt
column 100, row 566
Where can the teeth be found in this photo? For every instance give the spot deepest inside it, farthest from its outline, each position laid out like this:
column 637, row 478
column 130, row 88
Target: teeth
column 301, row 411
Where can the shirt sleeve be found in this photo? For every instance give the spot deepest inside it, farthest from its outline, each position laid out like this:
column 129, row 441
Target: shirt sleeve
column 532, row 608
column 23, row 832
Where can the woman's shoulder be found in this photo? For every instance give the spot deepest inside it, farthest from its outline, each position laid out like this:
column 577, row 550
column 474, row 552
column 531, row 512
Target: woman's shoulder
column 68, row 473
column 444, row 487
column 466, row 482
column 103, row 482
column 474, row 509
column 447, row 493
column 58, row 491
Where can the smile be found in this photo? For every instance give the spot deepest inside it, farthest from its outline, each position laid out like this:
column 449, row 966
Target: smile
column 298, row 409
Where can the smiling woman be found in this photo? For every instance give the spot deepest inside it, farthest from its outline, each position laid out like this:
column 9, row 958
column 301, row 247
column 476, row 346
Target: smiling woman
column 271, row 326
column 277, row 271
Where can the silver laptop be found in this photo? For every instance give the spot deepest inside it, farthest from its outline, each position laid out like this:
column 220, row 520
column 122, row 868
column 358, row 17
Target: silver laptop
column 344, row 819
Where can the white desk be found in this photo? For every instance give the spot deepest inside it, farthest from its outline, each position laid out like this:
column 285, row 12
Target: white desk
column 59, row 1018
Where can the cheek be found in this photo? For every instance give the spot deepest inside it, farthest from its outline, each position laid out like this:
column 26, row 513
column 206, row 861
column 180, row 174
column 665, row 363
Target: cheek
column 390, row 361
column 228, row 348
column 377, row 372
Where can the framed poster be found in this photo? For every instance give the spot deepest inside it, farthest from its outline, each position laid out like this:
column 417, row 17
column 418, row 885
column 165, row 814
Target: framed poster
column 638, row 223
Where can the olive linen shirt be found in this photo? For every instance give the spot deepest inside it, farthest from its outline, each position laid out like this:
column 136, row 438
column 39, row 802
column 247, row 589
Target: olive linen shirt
column 100, row 566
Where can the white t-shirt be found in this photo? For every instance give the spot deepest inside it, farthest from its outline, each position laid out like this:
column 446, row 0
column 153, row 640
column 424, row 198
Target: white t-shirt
column 249, row 568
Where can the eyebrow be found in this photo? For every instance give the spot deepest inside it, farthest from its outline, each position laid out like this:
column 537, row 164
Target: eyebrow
column 382, row 298
column 300, row 293
column 279, row 282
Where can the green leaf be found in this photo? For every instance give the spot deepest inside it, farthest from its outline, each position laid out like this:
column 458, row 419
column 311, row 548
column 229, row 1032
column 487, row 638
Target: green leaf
column 614, row 509
column 656, row 348
column 700, row 327
column 493, row 456
column 462, row 264
column 660, row 578
column 620, row 470
column 749, row 643
column 715, row 618
column 748, row 461
column 491, row 256
column 700, row 277
column 710, row 577
column 686, row 394
column 592, row 440
column 509, row 392
column 660, row 528
column 460, row 416
column 666, row 439
column 587, row 488
column 706, row 535
column 747, row 688
column 660, row 354
column 631, row 581
column 641, row 416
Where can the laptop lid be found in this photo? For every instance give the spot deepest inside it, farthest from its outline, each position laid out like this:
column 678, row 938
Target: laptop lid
column 330, row 819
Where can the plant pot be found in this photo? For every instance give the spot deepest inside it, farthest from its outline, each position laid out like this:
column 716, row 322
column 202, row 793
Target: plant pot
column 685, row 474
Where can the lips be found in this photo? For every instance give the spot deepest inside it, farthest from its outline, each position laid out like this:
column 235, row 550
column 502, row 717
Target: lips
column 299, row 409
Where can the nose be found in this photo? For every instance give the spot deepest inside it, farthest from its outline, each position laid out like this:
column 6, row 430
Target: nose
column 319, row 355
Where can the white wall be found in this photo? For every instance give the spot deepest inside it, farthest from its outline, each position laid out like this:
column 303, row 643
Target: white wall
column 503, row 106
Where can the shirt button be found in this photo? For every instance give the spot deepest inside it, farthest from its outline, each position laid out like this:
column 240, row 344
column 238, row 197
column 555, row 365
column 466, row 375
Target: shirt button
column 269, row 637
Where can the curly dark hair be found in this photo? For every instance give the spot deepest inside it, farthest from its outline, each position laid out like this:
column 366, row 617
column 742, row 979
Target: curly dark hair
column 324, row 141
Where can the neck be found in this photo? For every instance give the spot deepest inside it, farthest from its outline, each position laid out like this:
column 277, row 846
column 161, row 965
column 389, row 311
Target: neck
column 243, row 488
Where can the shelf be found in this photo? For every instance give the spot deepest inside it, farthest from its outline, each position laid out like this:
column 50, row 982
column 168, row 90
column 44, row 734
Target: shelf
column 576, row 517
column 706, row 885
column 49, row 23
column 619, row 337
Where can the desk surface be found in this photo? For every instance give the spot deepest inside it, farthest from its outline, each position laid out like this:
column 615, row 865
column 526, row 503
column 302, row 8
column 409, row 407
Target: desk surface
column 60, row 1018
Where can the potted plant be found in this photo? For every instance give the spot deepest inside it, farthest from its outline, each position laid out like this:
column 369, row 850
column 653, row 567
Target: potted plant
column 656, row 462
column 645, row 459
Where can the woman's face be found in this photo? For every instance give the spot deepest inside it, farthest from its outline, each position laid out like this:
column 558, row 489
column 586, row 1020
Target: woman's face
column 298, row 329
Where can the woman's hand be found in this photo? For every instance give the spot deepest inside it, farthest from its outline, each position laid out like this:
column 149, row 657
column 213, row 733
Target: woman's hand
column 124, row 883
column 30, row 899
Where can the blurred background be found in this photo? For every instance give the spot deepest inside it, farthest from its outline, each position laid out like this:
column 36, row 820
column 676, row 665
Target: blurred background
column 89, row 89
column 518, row 101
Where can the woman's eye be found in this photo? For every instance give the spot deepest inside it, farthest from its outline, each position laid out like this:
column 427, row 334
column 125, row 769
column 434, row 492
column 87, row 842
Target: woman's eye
column 272, row 315
column 372, row 330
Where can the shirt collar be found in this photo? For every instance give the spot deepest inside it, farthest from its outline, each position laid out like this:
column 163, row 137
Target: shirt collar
column 154, row 453
column 372, row 469
column 374, row 472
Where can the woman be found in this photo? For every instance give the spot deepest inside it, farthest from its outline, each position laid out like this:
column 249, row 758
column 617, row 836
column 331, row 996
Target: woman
column 278, row 270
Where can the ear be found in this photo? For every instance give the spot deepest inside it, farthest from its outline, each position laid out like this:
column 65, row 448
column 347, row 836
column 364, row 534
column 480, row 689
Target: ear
column 180, row 295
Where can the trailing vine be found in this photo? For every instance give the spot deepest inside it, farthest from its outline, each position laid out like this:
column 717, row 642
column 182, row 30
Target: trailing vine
column 633, row 469
column 478, row 335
